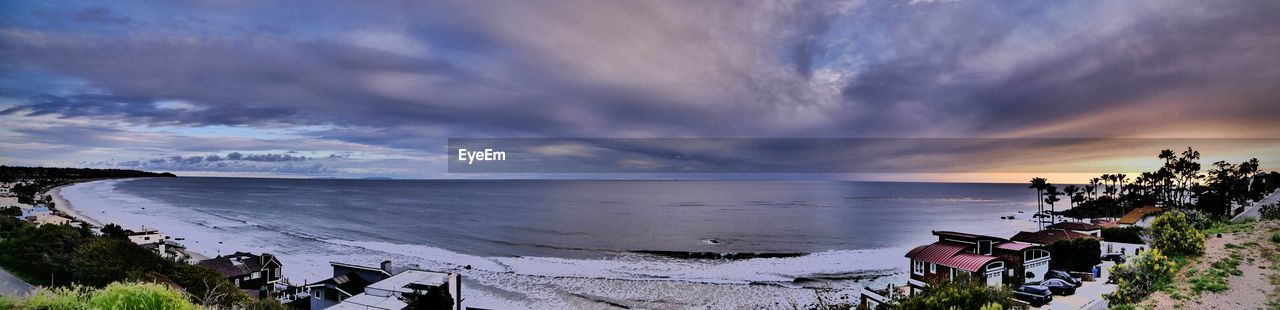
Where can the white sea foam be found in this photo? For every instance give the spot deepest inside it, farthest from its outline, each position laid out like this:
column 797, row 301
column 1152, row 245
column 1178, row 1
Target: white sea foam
column 507, row 282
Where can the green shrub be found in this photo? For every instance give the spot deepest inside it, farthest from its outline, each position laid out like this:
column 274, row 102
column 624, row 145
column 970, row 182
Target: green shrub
column 206, row 286
column 1173, row 235
column 1275, row 237
column 1198, row 219
column 124, row 296
column 139, row 296
column 1215, row 279
column 9, row 302
column 105, row 260
column 961, row 291
column 1241, row 225
column 1271, row 211
column 64, row 298
column 1122, row 307
column 1129, row 234
column 1079, row 254
column 268, row 304
column 1141, row 276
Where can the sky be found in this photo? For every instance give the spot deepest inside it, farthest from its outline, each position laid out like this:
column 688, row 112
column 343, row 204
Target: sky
column 376, row 88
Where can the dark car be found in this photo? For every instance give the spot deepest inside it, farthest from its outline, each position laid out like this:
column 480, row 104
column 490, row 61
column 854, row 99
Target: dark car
column 1033, row 294
column 1064, row 276
column 1059, row 286
column 1113, row 257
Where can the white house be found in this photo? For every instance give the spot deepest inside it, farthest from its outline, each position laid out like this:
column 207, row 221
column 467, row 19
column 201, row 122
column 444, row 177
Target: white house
column 386, row 294
column 146, row 237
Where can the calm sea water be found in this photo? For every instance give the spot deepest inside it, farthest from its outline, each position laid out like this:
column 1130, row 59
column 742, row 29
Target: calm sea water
column 544, row 244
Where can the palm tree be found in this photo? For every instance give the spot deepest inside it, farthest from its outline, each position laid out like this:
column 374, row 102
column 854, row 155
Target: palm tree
column 1071, row 190
column 1051, row 196
column 1093, row 187
column 1121, row 178
column 1039, row 185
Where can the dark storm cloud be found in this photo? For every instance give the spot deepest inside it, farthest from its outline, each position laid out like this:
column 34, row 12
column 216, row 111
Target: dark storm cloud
column 406, row 75
column 232, row 162
column 1077, row 70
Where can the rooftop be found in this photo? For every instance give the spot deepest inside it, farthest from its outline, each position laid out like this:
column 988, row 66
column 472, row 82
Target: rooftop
column 950, row 254
column 385, row 294
column 1137, row 214
column 236, row 264
column 965, row 236
column 1078, row 226
column 1048, row 236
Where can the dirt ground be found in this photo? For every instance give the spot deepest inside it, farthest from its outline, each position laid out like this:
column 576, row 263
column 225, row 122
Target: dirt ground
column 1255, row 288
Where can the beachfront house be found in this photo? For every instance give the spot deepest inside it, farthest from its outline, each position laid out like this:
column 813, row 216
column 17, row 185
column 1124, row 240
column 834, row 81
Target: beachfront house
column 1078, row 227
column 1047, row 236
column 991, row 260
column 391, row 292
column 255, row 274
column 146, row 237
column 1141, row 216
column 348, row 280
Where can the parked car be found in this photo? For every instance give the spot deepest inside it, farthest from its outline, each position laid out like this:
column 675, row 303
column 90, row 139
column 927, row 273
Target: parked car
column 1113, row 257
column 1034, row 294
column 1059, row 286
column 1064, row 276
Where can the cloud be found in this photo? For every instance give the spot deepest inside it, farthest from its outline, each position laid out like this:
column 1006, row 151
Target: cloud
column 231, row 162
column 101, row 15
column 397, row 78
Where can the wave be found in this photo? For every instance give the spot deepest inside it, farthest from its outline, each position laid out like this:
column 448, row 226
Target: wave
column 629, row 278
column 717, row 255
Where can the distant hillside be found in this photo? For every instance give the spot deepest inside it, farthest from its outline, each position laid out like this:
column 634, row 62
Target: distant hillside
column 9, row 174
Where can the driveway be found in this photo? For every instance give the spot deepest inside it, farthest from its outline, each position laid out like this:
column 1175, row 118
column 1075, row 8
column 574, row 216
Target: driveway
column 12, row 286
column 1252, row 210
column 1087, row 296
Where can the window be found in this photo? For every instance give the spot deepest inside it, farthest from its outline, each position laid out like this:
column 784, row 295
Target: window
column 237, row 282
column 1034, row 254
column 255, row 275
column 933, row 268
column 319, row 294
column 277, row 272
column 917, row 267
column 984, row 247
column 995, row 265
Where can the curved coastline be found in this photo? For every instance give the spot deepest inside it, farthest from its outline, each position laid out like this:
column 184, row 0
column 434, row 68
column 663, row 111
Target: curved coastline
column 65, row 206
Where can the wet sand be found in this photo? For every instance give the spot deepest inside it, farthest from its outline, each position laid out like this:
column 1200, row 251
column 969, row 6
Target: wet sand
column 67, row 208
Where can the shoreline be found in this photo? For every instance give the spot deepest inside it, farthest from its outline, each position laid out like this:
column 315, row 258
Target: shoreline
column 65, row 206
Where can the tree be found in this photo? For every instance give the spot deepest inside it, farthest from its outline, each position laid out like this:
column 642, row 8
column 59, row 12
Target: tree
column 1051, row 197
column 1071, row 192
column 105, row 260
column 1079, row 254
column 1173, row 234
column 961, row 293
column 1039, row 184
column 114, row 231
column 427, row 297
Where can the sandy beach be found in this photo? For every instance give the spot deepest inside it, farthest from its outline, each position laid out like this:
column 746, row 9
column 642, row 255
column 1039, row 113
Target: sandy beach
column 67, row 208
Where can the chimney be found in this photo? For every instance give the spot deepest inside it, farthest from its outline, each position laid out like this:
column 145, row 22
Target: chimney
column 386, row 267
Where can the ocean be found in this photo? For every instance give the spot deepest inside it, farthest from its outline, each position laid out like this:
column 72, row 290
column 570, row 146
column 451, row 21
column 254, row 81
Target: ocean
column 574, row 244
